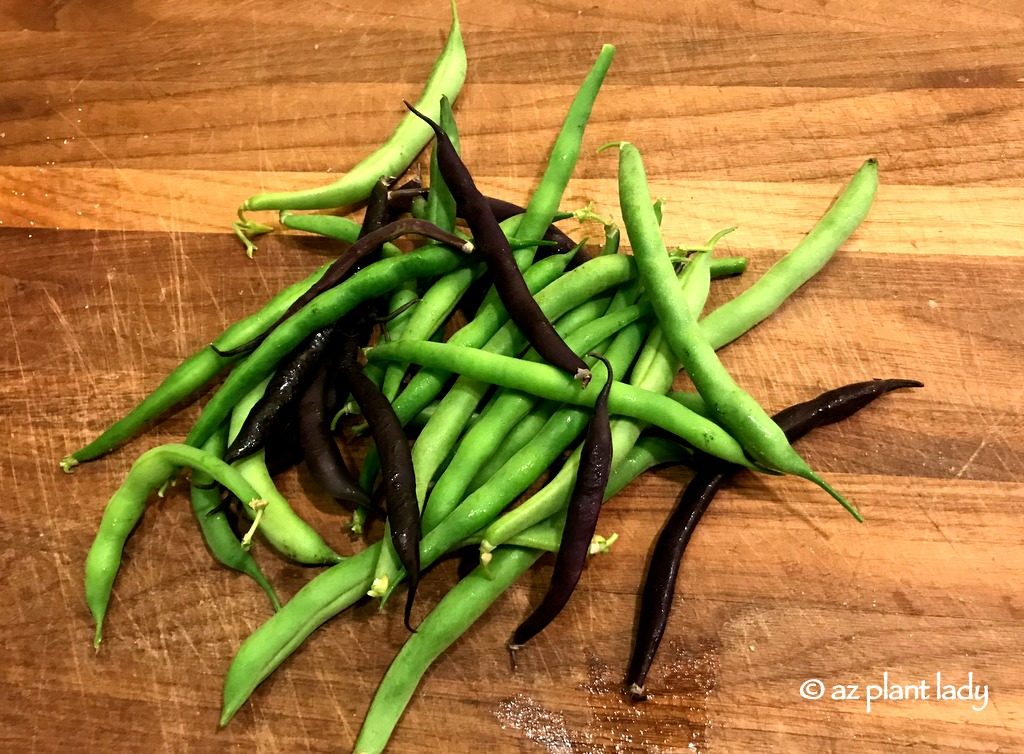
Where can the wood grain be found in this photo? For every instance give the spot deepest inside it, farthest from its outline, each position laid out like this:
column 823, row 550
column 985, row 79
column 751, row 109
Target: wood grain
column 114, row 265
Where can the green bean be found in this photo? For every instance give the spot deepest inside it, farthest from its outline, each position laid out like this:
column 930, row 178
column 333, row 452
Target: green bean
column 692, row 401
column 123, row 511
column 440, row 203
column 648, row 451
column 438, row 437
column 569, row 291
column 423, row 417
column 452, row 616
column 392, row 157
column 547, row 196
column 280, row 525
column 191, row 375
column 370, row 282
column 418, row 208
column 612, row 237
column 732, row 406
column 695, row 282
column 332, row 226
column 742, row 313
column 213, row 523
column 331, row 592
column 401, row 307
column 268, row 646
column 540, row 537
column 546, row 382
column 525, row 431
column 509, row 407
column 525, row 467
column 428, row 383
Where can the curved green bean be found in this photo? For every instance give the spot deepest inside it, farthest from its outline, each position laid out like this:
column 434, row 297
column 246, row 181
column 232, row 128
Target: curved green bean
column 192, row 374
column 524, row 432
column 544, row 381
column 543, row 204
column 438, row 437
column 324, row 597
column 457, row 611
column 123, row 511
column 732, row 406
column 524, row 468
column 392, row 157
column 220, row 539
column 735, row 317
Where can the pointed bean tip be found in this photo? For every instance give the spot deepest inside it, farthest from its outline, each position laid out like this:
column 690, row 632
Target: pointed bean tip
column 226, row 714
column 67, row 463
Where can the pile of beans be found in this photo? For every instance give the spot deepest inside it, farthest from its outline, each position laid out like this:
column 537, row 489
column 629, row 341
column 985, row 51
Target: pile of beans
column 566, row 358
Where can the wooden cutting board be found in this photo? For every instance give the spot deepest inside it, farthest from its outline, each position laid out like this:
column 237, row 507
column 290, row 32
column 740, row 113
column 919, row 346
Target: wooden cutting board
column 130, row 131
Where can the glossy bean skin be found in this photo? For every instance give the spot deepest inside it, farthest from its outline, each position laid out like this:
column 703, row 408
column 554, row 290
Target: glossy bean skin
column 282, row 394
column 323, row 458
column 403, row 512
column 580, row 522
column 658, row 591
